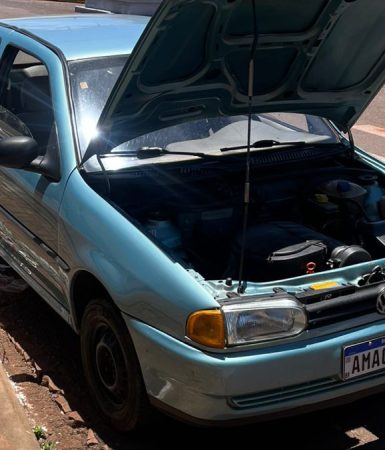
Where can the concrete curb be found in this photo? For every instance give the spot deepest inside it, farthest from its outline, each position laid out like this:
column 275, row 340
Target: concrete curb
column 15, row 431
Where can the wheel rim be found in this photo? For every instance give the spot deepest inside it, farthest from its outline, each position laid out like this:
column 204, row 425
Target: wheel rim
column 110, row 367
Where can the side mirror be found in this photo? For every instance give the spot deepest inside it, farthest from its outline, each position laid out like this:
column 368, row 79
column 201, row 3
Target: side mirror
column 18, row 152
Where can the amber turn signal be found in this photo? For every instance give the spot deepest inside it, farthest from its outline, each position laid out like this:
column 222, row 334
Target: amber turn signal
column 207, row 328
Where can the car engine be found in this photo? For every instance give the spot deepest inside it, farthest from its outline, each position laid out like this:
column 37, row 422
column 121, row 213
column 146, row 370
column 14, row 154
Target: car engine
column 301, row 219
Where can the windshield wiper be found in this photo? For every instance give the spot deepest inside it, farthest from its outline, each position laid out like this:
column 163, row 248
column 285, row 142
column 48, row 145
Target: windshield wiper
column 155, row 152
column 265, row 143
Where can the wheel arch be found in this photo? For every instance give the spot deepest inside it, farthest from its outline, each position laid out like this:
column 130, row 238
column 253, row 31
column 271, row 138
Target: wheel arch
column 84, row 288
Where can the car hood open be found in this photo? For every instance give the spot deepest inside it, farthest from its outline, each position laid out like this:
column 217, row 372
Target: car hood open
column 322, row 57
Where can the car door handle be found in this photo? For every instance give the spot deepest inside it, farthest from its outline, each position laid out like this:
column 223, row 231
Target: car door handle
column 48, row 250
column 60, row 262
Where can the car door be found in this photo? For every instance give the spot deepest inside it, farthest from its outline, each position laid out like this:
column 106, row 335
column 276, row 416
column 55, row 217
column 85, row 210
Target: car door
column 29, row 202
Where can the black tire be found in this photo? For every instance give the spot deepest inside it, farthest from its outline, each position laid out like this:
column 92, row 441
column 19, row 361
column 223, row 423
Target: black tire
column 111, row 367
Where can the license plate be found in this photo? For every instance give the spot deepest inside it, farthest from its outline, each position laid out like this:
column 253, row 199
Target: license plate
column 365, row 357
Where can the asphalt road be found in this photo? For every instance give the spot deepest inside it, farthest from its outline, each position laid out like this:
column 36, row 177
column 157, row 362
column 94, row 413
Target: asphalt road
column 369, row 132
column 26, row 8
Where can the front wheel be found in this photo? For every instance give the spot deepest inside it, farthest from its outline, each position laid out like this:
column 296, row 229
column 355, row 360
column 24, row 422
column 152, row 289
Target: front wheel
column 111, row 367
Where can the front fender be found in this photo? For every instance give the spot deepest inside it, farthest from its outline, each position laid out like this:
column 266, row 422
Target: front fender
column 141, row 279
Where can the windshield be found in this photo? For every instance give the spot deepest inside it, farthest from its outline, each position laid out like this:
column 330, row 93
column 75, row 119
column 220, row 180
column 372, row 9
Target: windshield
column 212, row 134
column 92, row 81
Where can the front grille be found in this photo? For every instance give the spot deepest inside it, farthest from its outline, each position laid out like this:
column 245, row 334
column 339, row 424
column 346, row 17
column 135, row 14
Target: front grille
column 361, row 301
column 270, row 398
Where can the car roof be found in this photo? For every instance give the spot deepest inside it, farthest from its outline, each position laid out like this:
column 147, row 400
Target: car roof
column 85, row 35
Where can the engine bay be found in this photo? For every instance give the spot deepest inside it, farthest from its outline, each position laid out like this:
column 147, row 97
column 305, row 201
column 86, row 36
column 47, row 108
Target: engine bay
column 303, row 217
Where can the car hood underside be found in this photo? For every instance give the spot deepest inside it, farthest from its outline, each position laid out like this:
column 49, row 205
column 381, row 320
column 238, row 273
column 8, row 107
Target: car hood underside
column 323, row 57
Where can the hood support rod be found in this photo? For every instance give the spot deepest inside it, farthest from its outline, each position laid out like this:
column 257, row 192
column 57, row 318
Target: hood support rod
column 242, row 284
column 351, row 142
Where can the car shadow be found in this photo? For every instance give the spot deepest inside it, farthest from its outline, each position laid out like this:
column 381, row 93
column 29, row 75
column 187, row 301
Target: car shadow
column 50, row 342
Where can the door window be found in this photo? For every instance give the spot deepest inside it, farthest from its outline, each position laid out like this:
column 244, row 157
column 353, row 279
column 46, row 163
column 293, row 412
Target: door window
column 25, row 102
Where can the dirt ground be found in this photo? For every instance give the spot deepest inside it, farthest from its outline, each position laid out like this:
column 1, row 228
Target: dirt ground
column 37, row 347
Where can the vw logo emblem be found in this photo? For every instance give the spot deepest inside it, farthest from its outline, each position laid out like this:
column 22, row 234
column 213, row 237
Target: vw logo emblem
column 380, row 303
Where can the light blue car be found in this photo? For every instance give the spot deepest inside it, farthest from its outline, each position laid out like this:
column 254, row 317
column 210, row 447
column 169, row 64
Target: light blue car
column 186, row 193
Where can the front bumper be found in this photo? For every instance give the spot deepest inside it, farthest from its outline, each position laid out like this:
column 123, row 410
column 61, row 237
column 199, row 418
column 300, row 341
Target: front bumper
column 239, row 386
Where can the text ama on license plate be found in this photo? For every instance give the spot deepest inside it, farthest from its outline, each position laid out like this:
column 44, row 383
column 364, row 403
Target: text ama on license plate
column 365, row 357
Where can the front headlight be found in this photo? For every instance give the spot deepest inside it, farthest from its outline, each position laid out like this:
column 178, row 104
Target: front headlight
column 246, row 322
column 262, row 320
